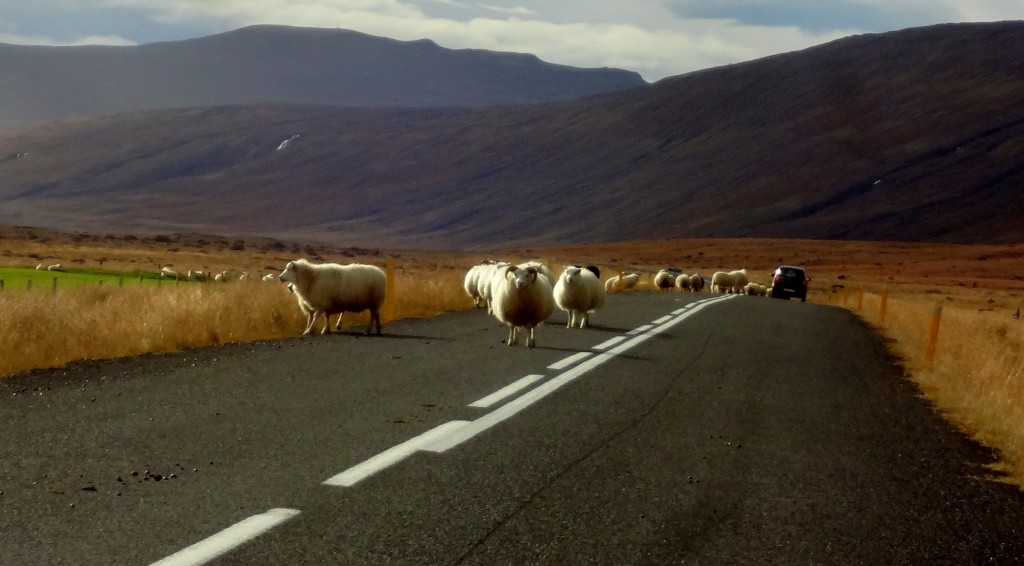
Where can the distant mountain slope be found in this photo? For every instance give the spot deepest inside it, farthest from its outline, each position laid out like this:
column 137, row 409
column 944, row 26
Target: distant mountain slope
column 276, row 64
column 910, row 135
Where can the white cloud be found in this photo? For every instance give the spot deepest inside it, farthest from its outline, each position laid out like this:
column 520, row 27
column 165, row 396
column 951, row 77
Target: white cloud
column 42, row 40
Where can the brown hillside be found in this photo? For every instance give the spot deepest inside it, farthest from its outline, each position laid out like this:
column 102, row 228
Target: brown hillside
column 915, row 135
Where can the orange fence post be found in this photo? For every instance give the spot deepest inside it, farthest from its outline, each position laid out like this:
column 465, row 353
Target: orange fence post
column 860, row 299
column 933, row 336
column 883, row 306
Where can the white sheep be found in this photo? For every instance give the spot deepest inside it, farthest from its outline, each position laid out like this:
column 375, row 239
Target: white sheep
column 487, row 274
column 168, row 273
column 221, row 277
column 270, row 277
column 244, row 276
column 629, row 280
column 696, row 283
column 755, row 289
column 541, row 269
column 471, row 283
column 40, row 267
column 521, row 298
column 578, row 292
column 729, row 281
column 683, row 282
column 196, row 275
column 664, row 280
column 331, row 288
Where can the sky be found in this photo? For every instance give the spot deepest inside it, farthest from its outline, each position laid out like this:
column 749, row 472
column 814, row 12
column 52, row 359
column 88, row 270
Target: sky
column 656, row 38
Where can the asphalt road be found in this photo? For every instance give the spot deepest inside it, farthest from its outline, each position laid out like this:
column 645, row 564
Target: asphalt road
column 680, row 429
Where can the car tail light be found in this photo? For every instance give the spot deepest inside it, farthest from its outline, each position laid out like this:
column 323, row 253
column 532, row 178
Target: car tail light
column 775, row 281
column 806, row 282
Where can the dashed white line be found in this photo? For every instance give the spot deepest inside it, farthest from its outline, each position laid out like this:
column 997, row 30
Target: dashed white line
column 228, row 539
column 640, row 330
column 609, row 343
column 663, row 319
column 391, row 456
column 566, row 362
column 507, row 391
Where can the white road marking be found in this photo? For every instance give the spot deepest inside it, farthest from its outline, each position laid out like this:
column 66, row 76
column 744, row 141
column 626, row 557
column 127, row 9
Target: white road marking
column 228, row 539
column 453, row 433
column 609, row 343
column 507, row 391
column 566, row 362
column 391, row 456
column 663, row 319
column 457, row 436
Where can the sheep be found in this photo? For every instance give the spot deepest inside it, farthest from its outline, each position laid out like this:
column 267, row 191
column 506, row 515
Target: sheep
column 196, row 275
column 40, row 267
column 270, row 277
column 221, row 277
column 484, row 280
column 696, row 283
column 244, row 276
column 578, row 292
column 169, row 273
column 664, row 280
column 729, row 281
column 331, row 288
column 472, row 282
column 629, row 281
column 55, row 267
column 755, row 289
column 593, row 269
column 541, row 268
column 522, row 298
column 683, row 282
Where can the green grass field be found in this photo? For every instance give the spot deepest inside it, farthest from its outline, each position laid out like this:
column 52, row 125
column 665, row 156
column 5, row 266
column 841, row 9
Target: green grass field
column 21, row 279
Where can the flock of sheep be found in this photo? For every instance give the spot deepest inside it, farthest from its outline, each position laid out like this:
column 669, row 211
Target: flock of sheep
column 521, row 296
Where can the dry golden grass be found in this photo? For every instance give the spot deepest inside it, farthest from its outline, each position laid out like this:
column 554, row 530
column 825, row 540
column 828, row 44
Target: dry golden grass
column 975, row 377
column 974, row 369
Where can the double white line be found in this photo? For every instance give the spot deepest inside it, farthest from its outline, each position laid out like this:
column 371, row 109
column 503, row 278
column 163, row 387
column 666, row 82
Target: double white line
column 447, row 435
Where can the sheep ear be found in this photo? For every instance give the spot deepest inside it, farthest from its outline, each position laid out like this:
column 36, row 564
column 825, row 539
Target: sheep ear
column 510, row 272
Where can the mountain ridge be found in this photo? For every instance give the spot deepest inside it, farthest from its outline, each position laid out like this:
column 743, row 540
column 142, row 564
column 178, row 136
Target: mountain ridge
column 279, row 64
column 916, row 135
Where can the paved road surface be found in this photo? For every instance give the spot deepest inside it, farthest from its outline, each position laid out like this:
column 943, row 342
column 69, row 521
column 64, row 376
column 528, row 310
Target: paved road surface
column 681, row 429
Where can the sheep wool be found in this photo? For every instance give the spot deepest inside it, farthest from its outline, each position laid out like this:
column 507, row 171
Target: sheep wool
column 578, row 292
column 522, row 298
column 331, row 288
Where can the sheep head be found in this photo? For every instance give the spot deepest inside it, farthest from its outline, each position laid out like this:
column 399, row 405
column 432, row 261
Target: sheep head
column 525, row 277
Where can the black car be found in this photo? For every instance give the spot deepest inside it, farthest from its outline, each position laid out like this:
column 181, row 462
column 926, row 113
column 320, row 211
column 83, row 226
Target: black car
column 789, row 281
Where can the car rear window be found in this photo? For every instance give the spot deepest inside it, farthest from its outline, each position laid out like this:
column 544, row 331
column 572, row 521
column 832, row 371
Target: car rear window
column 794, row 273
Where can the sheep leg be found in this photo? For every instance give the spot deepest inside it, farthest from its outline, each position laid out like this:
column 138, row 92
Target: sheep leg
column 585, row 321
column 310, row 320
column 338, row 325
column 513, row 336
column 327, row 323
column 531, row 341
column 374, row 321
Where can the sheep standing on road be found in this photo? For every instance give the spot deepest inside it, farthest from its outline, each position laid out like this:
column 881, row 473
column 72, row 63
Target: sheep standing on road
column 474, row 281
column 696, row 283
column 664, row 280
column 729, row 281
column 683, row 282
column 521, row 298
column 331, row 288
column 578, row 292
